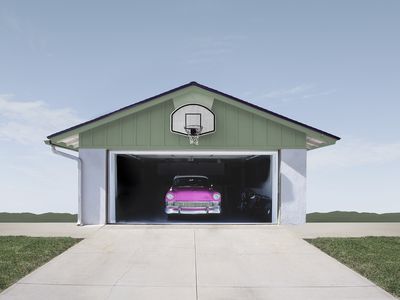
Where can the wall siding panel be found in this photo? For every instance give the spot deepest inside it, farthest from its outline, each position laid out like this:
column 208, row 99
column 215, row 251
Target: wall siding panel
column 113, row 133
column 128, row 131
column 231, row 125
column 259, row 131
column 245, row 125
column 274, row 134
column 143, row 128
column 288, row 137
column 170, row 138
column 218, row 137
column 99, row 136
column 157, row 124
column 85, row 139
column 300, row 139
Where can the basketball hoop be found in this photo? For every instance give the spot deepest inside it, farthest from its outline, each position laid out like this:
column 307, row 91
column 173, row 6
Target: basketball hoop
column 193, row 121
column 193, row 132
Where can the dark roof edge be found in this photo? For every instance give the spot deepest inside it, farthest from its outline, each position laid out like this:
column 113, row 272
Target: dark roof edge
column 193, row 83
column 265, row 110
column 121, row 109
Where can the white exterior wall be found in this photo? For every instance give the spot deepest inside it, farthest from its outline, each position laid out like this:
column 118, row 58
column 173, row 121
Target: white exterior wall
column 293, row 186
column 94, row 172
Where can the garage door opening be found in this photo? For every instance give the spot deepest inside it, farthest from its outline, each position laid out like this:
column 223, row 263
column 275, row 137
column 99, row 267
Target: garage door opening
column 142, row 181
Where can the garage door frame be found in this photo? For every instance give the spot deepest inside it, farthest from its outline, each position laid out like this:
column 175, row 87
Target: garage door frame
column 112, row 171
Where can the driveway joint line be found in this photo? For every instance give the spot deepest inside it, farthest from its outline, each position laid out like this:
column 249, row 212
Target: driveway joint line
column 122, row 276
column 195, row 261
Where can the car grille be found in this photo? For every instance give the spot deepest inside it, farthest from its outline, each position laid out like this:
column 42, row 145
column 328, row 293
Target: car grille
column 193, row 203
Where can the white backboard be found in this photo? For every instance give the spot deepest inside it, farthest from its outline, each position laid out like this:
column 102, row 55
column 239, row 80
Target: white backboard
column 192, row 115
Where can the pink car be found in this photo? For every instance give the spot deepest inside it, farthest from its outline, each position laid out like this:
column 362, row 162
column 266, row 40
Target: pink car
column 192, row 194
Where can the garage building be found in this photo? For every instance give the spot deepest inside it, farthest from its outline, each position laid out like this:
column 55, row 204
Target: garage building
column 127, row 159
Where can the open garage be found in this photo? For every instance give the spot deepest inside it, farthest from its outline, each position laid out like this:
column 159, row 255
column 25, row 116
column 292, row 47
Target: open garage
column 142, row 181
column 191, row 154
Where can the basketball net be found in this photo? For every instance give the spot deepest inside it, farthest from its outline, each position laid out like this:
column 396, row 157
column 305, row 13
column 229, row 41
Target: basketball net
column 193, row 133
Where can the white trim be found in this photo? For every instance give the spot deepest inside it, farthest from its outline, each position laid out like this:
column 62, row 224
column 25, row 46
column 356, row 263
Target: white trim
column 195, row 153
column 112, row 180
column 71, row 141
column 275, row 177
column 113, row 168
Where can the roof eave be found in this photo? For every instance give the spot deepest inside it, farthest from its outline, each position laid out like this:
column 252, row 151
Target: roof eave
column 328, row 138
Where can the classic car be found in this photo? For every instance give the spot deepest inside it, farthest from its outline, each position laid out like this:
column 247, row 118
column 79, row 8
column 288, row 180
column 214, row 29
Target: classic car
column 192, row 195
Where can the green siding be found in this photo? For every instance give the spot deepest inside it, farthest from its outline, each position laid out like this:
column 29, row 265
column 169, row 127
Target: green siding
column 244, row 132
column 157, row 133
column 113, row 133
column 150, row 129
column 170, row 140
column 86, row 139
column 274, row 133
column 99, row 137
column 128, row 131
column 260, row 132
column 231, row 126
column 142, row 128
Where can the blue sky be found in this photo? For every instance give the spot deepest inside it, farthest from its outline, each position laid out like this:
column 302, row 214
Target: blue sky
column 331, row 64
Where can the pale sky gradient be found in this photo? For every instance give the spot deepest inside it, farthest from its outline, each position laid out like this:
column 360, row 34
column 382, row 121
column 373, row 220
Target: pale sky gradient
column 334, row 65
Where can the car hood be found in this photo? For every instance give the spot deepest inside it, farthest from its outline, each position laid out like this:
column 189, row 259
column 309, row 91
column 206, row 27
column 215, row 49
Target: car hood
column 192, row 193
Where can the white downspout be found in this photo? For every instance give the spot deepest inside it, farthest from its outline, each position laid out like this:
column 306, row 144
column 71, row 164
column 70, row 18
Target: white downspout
column 79, row 161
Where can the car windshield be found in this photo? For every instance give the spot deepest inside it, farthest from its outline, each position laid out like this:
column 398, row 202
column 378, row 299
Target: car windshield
column 191, row 181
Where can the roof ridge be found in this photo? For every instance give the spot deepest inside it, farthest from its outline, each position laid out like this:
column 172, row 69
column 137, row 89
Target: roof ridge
column 194, row 83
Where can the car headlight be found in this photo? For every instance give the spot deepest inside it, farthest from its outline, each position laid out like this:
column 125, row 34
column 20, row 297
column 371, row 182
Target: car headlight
column 216, row 196
column 169, row 196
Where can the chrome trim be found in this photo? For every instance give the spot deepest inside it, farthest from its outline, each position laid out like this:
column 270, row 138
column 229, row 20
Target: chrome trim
column 192, row 210
column 171, row 211
column 194, row 203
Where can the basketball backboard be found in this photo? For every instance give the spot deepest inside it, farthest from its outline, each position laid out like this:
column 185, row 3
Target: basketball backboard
column 192, row 120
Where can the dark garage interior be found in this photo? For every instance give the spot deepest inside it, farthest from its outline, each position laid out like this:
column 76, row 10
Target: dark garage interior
column 142, row 182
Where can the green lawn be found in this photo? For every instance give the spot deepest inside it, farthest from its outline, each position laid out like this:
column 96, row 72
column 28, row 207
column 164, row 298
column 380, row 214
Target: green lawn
column 36, row 218
column 376, row 258
column 352, row 216
column 20, row 255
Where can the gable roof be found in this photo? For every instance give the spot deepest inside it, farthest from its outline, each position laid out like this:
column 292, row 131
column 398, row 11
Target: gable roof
column 198, row 85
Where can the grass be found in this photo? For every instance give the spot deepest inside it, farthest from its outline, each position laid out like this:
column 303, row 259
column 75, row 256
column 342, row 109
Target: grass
column 352, row 216
column 376, row 258
column 36, row 218
column 20, row 255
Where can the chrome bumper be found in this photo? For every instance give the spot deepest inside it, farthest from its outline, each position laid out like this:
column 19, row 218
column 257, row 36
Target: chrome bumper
column 192, row 210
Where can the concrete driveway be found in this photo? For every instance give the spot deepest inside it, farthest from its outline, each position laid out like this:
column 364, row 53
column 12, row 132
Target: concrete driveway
column 194, row 262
